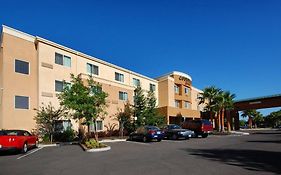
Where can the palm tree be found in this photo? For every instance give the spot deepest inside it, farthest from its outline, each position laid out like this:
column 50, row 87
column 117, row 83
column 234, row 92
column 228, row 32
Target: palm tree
column 250, row 113
column 225, row 104
column 208, row 97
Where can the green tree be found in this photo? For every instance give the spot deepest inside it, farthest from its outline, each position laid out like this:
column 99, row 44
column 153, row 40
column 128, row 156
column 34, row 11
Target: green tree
column 86, row 99
column 125, row 118
column 217, row 103
column 46, row 118
column 258, row 119
column 145, row 109
column 151, row 114
column 209, row 98
column 250, row 113
column 274, row 119
column 139, row 106
column 224, row 103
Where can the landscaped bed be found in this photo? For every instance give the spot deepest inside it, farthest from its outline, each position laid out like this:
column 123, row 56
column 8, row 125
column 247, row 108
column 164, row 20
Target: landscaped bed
column 93, row 146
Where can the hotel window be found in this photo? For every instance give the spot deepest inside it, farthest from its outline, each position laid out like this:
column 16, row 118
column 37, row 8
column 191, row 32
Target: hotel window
column 119, row 77
column 92, row 69
column 60, row 85
column 95, row 89
column 152, row 87
column 186, row 90
column 21, row 102
column 62, row 60
column 177, row 89
column 136, row 82
column 21, row 67
column 123, row 96
column 186, row 105
column 177, row 103
column 99, row 125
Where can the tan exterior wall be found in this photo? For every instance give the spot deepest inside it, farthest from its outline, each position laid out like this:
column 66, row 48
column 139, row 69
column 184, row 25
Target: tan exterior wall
column 194, row 95
column 17, row 83
column 49, row 72
column 167, row 96
column 1, row 83
column 39, row 85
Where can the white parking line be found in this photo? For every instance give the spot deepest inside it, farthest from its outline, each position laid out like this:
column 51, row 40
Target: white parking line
column 27, row 154
column 140, row 143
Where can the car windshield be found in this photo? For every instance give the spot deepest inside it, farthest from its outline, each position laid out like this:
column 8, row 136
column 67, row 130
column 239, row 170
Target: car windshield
column 206, row 122
column 152, row 128
column 2, row 133
column 14, row 133
column 174, row 127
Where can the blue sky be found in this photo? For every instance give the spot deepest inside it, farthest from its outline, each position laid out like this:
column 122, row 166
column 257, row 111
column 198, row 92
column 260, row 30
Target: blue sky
column 233, row 44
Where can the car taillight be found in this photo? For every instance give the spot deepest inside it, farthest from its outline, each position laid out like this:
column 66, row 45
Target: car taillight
column 11, row 139
column 151, row 132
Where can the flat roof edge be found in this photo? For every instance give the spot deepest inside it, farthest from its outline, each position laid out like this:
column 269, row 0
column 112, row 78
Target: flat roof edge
column 257, row 98
column 17, row 33
column 92, row 58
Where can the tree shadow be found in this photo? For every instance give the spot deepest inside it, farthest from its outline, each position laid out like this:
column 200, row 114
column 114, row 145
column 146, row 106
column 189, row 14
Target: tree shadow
column 268, row 133
column 254, row 160
column 265, row 141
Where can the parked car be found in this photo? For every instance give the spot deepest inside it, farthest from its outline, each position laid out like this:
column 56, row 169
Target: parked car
column 17, row 140
column 200, row 127
column 174, row 132
column 146, row 134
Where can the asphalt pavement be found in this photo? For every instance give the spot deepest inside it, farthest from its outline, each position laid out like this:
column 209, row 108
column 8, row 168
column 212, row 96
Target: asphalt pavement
column 258, row 153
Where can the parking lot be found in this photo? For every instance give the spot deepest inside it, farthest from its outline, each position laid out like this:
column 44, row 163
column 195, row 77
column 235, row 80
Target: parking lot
column 258, row 153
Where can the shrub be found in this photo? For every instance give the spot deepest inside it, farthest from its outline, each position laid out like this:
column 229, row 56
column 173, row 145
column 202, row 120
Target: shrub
column 66, row 136
column 94, row 144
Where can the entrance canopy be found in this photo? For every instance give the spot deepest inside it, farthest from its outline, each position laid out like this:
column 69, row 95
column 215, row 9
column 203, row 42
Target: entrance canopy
column 258, row 102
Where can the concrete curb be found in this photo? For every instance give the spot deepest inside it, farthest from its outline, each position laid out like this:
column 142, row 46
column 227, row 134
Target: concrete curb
column 112, row 141
column 47, row 145
column 240, row 133
column 95, row 149
column 99, row 149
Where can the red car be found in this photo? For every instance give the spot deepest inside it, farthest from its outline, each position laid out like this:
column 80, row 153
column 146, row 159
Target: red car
column 200, row 127
column 17, row 140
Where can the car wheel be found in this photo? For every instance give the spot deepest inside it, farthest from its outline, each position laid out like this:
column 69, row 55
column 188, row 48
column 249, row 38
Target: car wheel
column 204, row 135
column 36, row 144
column 174, row 137
column 144, row 139
column 187, row 138
column 130, row 138
column 159, row 140
column 24, row 148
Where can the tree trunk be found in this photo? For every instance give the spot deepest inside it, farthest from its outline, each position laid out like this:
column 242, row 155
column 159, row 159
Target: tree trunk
column 212, row 119
column 51, row 138
column 228, row 118
column 222, row 120
column 219, row 121
column 250, row 121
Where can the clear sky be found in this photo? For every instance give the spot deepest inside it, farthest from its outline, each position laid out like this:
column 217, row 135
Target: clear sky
column 232, row 44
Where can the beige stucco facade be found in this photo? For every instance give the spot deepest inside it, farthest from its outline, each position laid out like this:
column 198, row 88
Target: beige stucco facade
column 178, row 100
column 39, row 84
column 43, row 71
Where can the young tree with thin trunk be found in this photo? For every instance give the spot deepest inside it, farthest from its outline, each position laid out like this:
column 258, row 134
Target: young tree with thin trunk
column 46, row 118
column 86, row 99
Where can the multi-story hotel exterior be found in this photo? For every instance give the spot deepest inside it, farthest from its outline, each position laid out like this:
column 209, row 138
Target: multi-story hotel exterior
column 32, row 70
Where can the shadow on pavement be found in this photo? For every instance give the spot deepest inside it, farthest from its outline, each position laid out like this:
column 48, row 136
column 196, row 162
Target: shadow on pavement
column 254, row 160
column 265, row 141
column 9, row 153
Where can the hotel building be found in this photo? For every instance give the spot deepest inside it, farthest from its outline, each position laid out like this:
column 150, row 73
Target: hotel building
column 32, row 70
